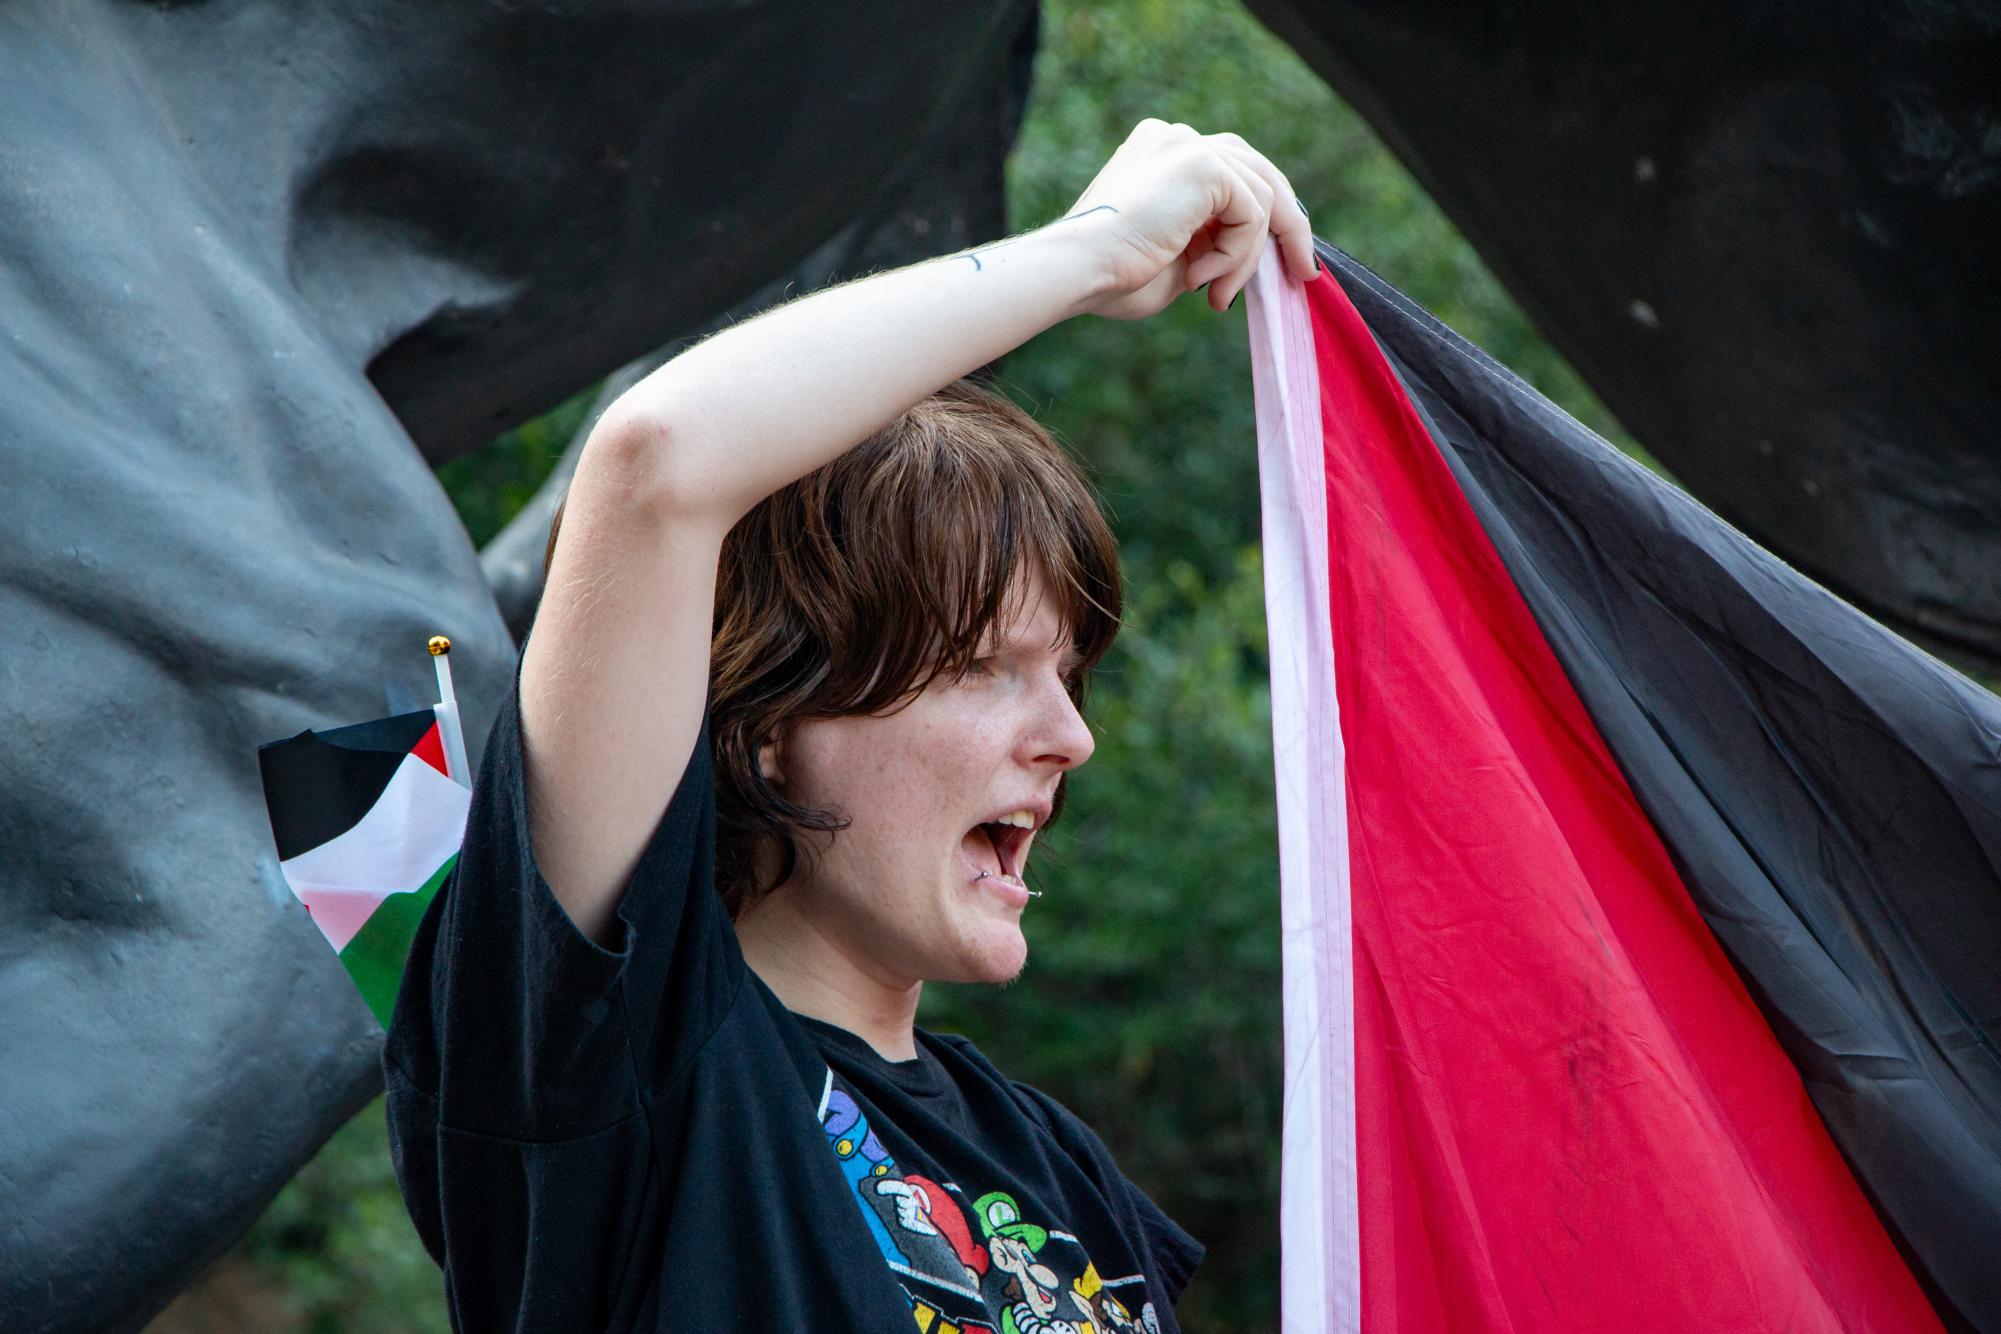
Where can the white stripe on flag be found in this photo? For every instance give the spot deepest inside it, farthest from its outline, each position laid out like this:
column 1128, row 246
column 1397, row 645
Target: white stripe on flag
column 417, row 822
column 1320, row 1266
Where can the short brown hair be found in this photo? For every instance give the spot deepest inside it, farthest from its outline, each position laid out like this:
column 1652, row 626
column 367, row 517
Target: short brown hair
column 850, row 590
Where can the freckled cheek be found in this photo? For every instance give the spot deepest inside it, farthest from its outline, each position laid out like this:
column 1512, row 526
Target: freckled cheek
column 893, row 802
column 942, row 761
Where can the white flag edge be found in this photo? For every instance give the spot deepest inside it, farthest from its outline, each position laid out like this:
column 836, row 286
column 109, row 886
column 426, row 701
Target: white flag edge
column 1319, row 1229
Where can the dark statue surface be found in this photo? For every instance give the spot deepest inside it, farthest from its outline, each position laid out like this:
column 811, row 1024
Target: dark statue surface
column 1765, row 235
column 264, row 265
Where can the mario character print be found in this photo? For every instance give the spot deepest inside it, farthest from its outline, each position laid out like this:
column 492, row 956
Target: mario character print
column 1034, row 1279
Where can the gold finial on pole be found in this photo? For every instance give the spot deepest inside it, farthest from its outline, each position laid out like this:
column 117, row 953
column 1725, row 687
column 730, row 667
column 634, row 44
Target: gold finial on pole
column 448, row 712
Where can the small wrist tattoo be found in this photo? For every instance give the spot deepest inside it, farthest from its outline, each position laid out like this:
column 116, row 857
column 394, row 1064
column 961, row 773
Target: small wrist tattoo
column 974, row 255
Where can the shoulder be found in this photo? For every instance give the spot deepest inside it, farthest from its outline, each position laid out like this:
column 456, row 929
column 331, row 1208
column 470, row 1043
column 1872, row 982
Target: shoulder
column 1176, row 1253
column 1059, row 1121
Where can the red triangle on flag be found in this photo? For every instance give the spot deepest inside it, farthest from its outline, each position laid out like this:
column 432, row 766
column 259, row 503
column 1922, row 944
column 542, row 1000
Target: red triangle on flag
column 430, row 748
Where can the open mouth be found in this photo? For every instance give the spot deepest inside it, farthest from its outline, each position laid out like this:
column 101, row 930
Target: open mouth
column 997, row 848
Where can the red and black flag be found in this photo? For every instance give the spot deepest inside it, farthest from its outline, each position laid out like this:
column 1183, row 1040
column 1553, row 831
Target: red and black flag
column 1642, row 899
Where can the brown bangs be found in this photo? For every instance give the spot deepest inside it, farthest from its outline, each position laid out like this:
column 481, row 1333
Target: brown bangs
column 852, row 589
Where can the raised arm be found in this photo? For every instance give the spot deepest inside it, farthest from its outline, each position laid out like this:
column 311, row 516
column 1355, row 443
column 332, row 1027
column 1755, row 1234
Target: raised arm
column 615, row 675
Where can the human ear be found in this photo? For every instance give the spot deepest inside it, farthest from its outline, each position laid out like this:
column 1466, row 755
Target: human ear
column 768, row 765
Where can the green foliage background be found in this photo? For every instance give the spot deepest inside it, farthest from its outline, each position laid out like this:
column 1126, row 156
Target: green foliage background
column 1150, row 1004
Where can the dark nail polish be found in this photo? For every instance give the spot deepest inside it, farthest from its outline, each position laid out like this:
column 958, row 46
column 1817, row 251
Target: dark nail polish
column 1235, row 299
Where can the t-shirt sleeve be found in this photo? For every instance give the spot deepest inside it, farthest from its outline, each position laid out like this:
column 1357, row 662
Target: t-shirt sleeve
column 523, row 1057
column 1175, row 1252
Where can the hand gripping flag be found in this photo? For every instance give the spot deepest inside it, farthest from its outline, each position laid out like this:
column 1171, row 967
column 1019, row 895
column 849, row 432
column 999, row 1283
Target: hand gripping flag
column 1642, row 920
column 368, row 821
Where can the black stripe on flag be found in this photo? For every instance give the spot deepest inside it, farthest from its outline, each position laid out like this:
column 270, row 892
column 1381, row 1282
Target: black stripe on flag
column 318, row 785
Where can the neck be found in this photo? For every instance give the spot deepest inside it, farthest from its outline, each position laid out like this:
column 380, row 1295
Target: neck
column 815, row 973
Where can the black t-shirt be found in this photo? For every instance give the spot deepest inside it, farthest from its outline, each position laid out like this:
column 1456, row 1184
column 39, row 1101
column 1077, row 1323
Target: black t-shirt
column 645, row 1138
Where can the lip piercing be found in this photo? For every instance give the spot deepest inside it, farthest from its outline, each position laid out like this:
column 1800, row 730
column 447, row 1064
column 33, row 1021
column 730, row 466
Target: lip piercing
column 1032, row 893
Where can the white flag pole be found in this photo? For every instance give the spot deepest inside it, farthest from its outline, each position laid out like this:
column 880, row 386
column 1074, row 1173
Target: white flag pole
column 448, row 713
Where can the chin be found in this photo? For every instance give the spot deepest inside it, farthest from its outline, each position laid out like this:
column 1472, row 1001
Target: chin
column 995, row 962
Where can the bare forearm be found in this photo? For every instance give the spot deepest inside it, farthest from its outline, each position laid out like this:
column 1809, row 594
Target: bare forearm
column 615, row 676
column 766, row 402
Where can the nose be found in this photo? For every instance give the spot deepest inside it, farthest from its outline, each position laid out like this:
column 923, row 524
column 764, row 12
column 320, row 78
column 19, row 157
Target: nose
column 1059, row 736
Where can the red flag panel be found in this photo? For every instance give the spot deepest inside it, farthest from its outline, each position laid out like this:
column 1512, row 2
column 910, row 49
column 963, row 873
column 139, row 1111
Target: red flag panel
column 1569, row 1112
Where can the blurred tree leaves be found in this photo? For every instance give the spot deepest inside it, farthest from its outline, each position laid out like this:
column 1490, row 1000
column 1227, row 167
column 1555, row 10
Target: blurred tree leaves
column 339, row 1247
column 490, row 486
column 1150, row 1004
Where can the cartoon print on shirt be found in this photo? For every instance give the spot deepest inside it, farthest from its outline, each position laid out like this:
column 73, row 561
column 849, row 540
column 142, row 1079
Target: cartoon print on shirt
column 930, row 1320
column 1027, row 1288
column 925, row 1208
column 930, row 1230
column 955, row 1281
column 913, row 1205
column 898, row 1209
column 1102, row 1311
column 861, row 1156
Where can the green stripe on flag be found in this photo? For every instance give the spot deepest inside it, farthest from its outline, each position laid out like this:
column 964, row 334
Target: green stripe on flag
column 376, row 955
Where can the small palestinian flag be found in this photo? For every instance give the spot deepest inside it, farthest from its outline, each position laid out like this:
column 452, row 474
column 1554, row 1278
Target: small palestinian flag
column 368, row 823
column 1641, row 900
